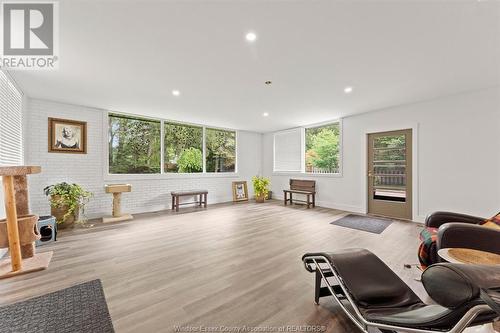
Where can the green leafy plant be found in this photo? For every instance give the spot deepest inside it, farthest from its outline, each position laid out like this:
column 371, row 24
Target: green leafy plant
column 260, row 186
column 72, row 196
column 191, row 160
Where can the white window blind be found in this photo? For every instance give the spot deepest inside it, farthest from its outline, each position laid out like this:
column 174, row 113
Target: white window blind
column 288, row 151
column 11, row 124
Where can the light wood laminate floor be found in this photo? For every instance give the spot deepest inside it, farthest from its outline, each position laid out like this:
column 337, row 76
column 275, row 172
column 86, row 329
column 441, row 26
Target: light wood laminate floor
column 228, row 265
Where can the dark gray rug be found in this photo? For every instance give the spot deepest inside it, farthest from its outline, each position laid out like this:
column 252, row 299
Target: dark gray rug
column 365, row 223
column 81, row 308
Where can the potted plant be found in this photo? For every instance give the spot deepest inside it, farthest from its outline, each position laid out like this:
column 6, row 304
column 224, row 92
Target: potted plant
column 66, row 201
column 260, row 187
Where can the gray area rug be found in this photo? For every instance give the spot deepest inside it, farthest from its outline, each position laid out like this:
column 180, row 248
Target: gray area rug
column 365, row 223
column 81, row 308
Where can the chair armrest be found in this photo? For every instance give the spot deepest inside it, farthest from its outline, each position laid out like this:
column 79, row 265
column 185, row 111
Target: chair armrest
column 435, row 220
column 469, row 236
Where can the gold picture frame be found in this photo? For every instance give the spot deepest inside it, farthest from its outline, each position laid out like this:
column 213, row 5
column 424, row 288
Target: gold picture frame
column 67, row 136
column 240, row 191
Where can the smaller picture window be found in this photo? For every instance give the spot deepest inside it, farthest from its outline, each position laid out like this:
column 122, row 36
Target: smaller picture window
column 322, row 148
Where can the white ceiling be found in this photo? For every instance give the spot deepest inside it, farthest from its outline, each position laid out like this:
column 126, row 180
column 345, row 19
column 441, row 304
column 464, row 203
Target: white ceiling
column 128, row 56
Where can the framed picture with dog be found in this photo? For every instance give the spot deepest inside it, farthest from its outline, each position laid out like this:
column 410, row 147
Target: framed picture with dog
column 240, row 191
column 67, row 136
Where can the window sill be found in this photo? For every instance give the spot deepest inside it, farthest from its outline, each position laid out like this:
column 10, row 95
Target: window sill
column 307, row 174
column 145, row 177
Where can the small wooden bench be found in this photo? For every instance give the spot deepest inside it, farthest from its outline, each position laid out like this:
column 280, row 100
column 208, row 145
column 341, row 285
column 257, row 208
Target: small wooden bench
column 300, row 186
column 191, row 193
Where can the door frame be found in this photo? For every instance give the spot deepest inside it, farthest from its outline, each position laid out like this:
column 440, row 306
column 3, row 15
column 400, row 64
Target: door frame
column 415, row 172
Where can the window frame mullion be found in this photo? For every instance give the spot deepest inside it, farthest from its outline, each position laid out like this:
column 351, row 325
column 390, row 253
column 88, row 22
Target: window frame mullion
column 162, row 147
column 204, row 151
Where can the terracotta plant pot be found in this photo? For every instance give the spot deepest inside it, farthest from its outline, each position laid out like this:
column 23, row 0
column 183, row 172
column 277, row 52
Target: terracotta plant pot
column 28, row 234
column 260, row 198
column 59, row 212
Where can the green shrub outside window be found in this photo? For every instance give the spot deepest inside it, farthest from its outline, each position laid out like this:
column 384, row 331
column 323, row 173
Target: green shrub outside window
column 183, row 148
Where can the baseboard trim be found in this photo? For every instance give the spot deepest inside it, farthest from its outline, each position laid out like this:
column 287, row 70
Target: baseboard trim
column 419, row 219
column 348, row 208
column 153, row 208
column 340, row 206
column 332, row 205
column 166, row 206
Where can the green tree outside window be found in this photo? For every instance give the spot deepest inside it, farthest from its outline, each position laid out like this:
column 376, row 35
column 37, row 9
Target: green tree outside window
column 134, row 145
column 323, row 149
column 220, row 150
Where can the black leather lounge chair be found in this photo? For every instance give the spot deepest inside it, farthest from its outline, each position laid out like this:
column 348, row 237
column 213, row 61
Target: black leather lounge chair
column 373, row 296
column 460, row 230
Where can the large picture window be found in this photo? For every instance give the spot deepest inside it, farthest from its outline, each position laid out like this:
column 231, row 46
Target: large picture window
column 183, row 148
column 322, row 149
column 134, row 145
column 220, row 150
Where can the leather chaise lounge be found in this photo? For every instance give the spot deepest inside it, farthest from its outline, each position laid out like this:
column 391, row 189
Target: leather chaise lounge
column 373, row 296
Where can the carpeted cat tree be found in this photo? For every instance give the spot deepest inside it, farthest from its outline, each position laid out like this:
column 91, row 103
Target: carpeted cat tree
column 18, row 231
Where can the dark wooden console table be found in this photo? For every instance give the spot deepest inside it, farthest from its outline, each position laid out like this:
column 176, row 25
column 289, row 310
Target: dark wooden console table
column 176, row 195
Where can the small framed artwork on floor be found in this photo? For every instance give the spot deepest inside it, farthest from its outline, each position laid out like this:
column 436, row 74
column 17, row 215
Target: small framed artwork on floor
column 67, row 136
column 240, row 191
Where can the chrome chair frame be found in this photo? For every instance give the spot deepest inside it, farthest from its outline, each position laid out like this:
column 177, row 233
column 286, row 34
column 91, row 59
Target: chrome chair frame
column 358, row 319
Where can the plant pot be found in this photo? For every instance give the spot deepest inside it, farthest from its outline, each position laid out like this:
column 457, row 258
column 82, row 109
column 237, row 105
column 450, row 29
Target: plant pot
column 59, row 212
column 260, row 198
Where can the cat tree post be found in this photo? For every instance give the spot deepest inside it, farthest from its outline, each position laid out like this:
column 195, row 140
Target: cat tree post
column 12, row 228
column 117, row 190
column 15, row 187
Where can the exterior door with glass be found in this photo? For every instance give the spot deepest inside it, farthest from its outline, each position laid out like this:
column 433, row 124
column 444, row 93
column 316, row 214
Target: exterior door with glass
column 390, row 174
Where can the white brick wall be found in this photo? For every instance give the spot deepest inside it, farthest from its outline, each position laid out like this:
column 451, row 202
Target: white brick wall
column 148, row 194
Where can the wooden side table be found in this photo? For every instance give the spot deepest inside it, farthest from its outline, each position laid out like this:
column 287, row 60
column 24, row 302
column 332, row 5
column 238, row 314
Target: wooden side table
column 469, row 256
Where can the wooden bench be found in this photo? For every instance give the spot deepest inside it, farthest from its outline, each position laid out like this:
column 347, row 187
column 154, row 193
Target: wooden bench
column 300, row 186
column 178, row 194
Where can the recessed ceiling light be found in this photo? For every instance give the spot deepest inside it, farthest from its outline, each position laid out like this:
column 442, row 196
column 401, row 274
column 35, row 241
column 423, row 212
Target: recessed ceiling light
column 251, row 36
column 265, row 114
column 348, row 90
column 176, row 92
